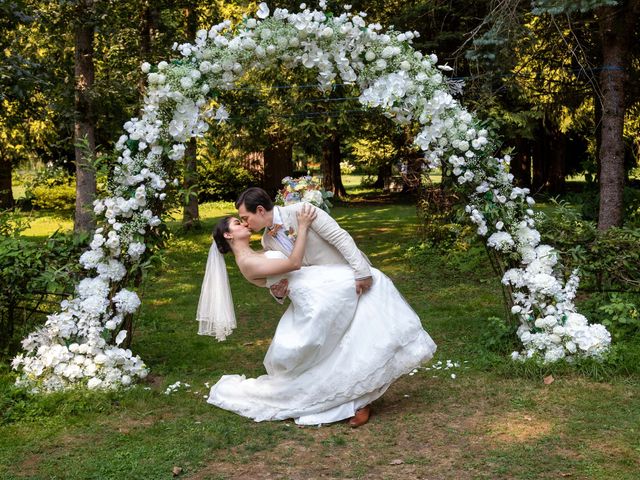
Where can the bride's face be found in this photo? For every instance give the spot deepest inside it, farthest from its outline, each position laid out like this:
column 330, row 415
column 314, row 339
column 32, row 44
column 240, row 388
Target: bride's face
column 237, row 231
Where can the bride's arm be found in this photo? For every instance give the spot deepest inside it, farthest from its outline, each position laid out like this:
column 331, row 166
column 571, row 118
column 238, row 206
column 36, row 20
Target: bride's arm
column 257, row 267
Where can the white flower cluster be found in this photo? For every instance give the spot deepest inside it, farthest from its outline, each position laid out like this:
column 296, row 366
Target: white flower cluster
column 550, row 326
column 174, row 387
column 408, row 86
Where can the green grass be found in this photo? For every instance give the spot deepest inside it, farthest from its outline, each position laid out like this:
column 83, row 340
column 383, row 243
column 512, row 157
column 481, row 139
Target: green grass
column 492, row 421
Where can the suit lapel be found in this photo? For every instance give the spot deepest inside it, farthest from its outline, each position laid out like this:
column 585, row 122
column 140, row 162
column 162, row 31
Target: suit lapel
column 270, row 243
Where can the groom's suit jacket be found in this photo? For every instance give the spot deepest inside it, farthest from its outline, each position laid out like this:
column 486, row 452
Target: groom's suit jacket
column 327, row 242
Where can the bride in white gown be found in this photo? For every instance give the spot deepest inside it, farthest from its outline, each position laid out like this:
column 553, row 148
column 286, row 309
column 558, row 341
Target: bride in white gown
column 333, row 352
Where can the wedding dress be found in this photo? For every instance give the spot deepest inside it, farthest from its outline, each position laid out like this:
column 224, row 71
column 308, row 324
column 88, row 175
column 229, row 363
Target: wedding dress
column 333, row 351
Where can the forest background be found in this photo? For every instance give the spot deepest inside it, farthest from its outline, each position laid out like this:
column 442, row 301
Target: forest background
column 556, row 80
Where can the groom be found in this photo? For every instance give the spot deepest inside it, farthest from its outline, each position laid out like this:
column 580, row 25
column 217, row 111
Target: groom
column 327, row 242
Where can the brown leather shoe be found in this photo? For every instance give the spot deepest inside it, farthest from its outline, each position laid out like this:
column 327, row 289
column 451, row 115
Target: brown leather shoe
column 361, row 417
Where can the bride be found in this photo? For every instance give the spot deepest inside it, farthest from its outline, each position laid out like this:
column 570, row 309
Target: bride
column 334, row 351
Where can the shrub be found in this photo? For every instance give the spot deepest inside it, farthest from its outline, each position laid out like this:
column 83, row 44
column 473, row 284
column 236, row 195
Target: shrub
column 59, row 197
column 346, row 168
column 50, row 187
column 590, row 204
column 609, row 265
column 35, row 276
column 222, row 180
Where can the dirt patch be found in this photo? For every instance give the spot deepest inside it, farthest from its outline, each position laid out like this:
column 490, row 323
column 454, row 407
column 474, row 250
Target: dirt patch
column 30, row 466
column 518, row 427
column 154, row 381
column 405, row 439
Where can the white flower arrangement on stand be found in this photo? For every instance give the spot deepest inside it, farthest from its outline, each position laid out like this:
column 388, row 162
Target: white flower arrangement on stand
column 72, row 349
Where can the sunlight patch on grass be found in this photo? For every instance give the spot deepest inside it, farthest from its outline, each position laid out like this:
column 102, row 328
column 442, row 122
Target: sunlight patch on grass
column 42, row 224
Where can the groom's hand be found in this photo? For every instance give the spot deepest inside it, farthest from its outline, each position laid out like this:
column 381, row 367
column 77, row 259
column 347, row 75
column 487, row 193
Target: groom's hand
column 280, row 289
column 363, row 285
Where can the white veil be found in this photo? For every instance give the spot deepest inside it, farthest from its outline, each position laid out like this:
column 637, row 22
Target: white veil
column 215, row 308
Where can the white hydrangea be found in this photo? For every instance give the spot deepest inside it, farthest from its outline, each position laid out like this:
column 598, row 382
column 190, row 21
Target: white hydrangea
column 500, row 241
column 91, row 258
column 136, row 249
column 113, row 270
column 126, row 301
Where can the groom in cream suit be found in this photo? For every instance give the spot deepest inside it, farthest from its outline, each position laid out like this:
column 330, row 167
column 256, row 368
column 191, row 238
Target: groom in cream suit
column 327, row 242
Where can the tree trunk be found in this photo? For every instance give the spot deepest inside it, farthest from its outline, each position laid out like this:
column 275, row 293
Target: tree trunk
column 278, row 163
column 191, row 214
column 617, row 26
column 557, row 165
column 6, row 185
column 597, row 113
column 331, row 158
column 84, row 130
column 148, row 27
column 520, row 165
column 540, row 159
column 384, row 174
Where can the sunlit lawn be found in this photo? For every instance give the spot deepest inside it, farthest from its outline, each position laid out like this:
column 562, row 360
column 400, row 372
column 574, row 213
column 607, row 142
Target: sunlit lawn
column 489, row 422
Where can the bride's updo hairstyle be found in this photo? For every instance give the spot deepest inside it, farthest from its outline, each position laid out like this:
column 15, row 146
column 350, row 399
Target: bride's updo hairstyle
column 218, row 235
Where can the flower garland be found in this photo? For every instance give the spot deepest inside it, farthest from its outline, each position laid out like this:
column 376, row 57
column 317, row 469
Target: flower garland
column 73, row 347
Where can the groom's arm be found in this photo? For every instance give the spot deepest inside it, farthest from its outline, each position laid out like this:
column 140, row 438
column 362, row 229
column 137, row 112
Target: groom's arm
column 327, row 228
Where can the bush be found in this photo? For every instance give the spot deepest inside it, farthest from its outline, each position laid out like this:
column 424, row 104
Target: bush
column 222, row 180
column 609, row 266
column 50, row 187
column 608, row 260
column 590, row 204
column 35, row 276
column 346, row 168
column 619, row 312
column 60, row 197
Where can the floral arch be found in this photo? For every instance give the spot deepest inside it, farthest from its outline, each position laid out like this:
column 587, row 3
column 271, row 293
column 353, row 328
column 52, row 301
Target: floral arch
column 74, row 346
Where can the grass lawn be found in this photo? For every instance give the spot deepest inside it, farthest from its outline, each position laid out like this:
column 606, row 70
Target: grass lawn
column 492, row 421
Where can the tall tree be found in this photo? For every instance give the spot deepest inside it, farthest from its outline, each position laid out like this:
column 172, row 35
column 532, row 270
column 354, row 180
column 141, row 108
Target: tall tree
column 614, row 33
column 84, row 131
column 22, row 80
column 617, row 26
column 191, row 213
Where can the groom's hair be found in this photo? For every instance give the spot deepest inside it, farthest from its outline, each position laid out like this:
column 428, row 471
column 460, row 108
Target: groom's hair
column 253, row 197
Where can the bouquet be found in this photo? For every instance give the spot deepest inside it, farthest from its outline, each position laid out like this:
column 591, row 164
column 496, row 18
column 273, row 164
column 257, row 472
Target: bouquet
column 304, row 189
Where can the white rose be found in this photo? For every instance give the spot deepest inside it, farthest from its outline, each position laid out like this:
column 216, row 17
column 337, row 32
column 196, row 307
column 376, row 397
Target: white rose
column 94, row 383
column 263, row 11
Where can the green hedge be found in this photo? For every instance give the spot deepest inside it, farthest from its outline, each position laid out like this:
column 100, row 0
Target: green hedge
column 59, row 197
column 222, row 180
column 36, row 275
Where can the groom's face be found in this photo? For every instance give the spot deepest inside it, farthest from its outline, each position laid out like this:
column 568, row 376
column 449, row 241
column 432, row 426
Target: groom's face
column 255, row 221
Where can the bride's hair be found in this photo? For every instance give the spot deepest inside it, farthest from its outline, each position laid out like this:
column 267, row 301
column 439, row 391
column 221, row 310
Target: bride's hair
column 222, row 227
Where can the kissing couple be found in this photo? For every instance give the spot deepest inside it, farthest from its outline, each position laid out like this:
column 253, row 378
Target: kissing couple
column 346, row 336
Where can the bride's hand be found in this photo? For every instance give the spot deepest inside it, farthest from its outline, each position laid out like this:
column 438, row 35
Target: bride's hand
column 306, row 216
